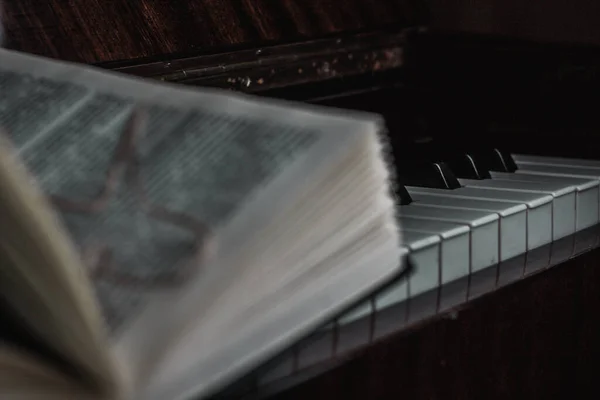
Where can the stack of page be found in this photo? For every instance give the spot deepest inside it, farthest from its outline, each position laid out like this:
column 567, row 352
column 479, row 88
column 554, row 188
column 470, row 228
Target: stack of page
column 162, row 241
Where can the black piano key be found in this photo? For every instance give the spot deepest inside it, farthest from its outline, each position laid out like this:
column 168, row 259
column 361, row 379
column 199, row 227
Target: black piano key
column 427, row 174
column 467, row 164
column 435, row 164
column 476, row 163
column 403, row 195
column 418, row 164
column 496, row 159
column 471, row 160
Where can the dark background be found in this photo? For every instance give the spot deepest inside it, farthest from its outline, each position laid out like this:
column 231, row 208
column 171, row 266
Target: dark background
column 545, row 20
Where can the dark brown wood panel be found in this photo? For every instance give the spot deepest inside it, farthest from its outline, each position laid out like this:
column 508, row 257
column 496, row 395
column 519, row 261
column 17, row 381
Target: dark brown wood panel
column 536, row 339
column 94, row 31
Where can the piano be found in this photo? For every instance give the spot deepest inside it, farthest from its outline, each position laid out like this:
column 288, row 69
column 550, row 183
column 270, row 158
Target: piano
column 498, row 178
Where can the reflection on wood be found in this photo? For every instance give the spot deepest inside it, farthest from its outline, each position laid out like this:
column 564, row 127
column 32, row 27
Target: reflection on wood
column 534, row 339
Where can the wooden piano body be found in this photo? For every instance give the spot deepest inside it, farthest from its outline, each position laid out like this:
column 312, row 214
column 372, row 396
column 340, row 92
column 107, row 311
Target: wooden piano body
column 537, row 338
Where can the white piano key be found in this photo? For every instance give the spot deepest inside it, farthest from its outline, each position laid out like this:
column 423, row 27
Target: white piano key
column 281, row 369
column 455, row 245
column 563, row 204
column 539, row 208
column 484, row 229
column 411, row 242
column 587, row 197
column 424, row 253
column 513, row 218
column 358, row 312
column 559, row 170
column 556, row 161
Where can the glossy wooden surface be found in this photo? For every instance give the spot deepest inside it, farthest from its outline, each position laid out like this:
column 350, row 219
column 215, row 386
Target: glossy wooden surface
column 536, row 339
column 93, row 31
column 97, row 31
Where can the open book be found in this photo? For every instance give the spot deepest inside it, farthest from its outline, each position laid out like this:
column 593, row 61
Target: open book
column 161, row 241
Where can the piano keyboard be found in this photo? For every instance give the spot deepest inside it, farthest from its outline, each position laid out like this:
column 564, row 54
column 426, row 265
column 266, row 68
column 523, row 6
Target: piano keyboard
column 544, row 200
column 485, row 233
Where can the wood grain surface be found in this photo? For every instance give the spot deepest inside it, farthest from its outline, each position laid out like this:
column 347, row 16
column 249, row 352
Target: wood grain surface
column 94, row 31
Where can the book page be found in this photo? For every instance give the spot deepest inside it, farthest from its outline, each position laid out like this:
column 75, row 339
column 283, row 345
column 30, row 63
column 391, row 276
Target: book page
column 25, row 377
column 41, row 280
column 146, row 178
column 144, row 226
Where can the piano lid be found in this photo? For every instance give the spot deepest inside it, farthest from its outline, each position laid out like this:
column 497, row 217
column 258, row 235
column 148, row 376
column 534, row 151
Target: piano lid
column 92, row 32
